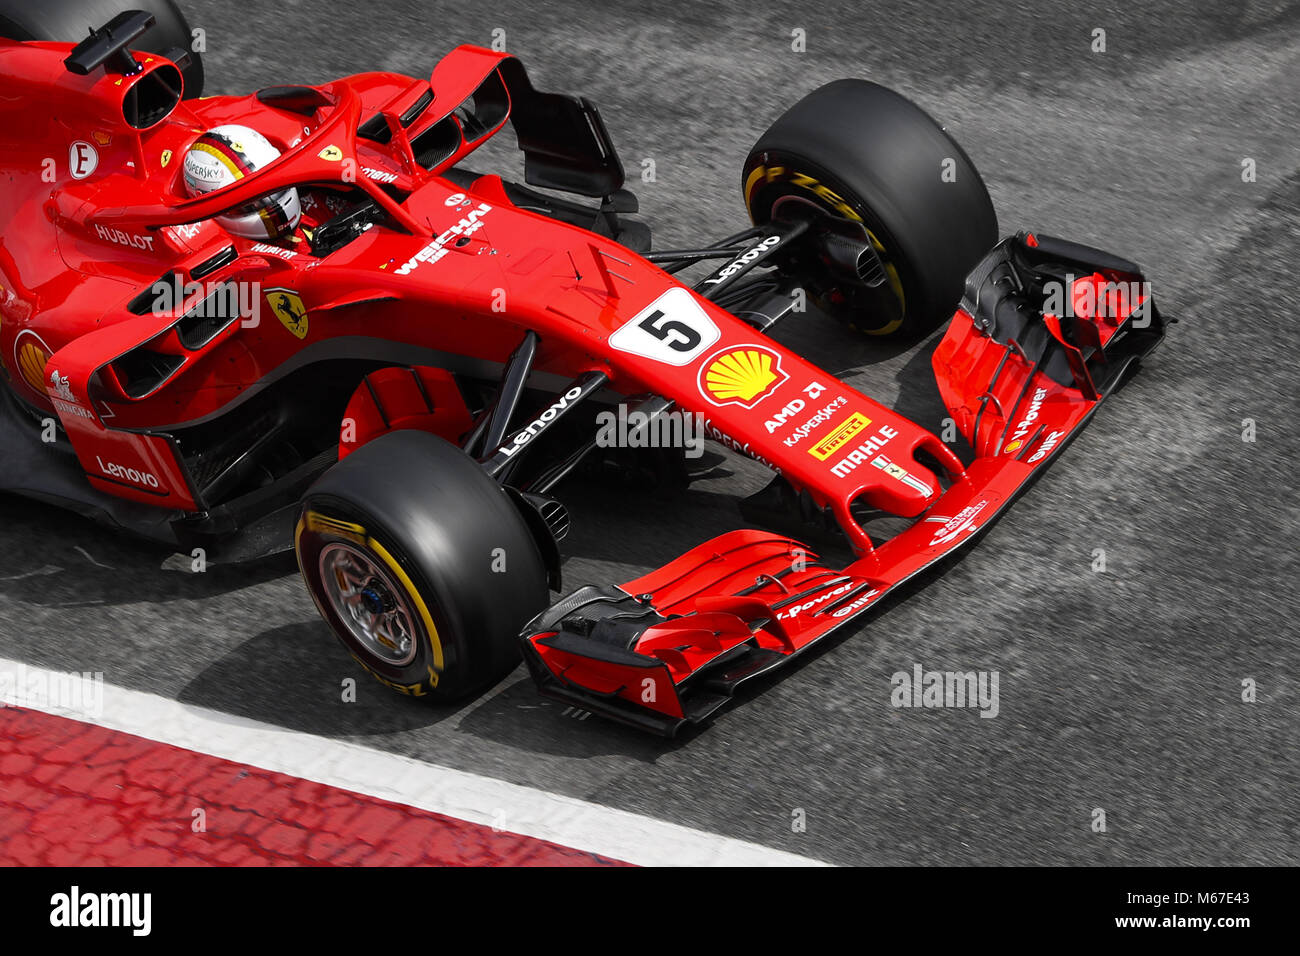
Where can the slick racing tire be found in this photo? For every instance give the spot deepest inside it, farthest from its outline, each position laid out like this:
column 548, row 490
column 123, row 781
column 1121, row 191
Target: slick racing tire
column 864, row 153
column 70, row 21
column 421, row 565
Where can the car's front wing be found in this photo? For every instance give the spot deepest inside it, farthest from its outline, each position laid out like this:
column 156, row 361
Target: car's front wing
column 1021, row 375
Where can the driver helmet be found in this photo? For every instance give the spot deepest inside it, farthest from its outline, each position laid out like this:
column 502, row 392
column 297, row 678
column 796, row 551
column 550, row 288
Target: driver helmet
column 226, row 154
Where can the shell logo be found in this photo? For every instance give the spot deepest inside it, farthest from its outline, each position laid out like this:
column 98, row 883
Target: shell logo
column 30, row 355
column 743, row 375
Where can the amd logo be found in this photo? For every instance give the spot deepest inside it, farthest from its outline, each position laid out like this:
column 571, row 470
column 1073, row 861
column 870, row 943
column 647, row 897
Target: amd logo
column 784, row 415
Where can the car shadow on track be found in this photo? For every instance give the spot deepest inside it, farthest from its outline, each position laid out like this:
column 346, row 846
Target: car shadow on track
column 514, row 714
column 833, row 346
column 57, row 559
column 297, row 677
column 517, row 716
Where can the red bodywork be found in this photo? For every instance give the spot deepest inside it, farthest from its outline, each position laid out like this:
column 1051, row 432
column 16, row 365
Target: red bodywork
column 75, row 253
column 450, row 287
column 748, row 601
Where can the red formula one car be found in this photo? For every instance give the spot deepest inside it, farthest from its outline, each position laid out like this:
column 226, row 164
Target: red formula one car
column 298, row 318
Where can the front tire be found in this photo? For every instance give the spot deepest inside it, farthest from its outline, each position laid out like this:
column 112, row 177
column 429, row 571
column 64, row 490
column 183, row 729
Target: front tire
column 869, row 155
column 421, row 565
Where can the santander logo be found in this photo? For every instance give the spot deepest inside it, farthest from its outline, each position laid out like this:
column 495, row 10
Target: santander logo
column 964, row 521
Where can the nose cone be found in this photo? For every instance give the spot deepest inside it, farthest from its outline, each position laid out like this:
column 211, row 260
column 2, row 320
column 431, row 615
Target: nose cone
column 898, row 484
column 885, row 473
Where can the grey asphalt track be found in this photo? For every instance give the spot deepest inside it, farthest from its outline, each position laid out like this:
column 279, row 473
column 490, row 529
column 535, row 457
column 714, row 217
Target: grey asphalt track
column 1119, row 690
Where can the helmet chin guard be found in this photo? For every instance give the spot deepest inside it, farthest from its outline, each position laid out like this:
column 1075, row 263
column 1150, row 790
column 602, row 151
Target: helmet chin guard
column 227, row 154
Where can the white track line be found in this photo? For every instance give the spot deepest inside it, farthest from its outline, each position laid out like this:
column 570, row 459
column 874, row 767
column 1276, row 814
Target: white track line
column 481, row 800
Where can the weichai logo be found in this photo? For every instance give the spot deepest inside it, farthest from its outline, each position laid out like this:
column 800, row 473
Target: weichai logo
column 743, row 376
column 840, row 436
column 435, row 250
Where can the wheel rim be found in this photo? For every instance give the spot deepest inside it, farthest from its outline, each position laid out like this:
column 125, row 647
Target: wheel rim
column 370, row 604
column 833, row 202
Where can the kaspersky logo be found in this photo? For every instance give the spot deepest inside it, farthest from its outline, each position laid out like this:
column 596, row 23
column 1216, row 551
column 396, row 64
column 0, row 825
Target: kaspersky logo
column 743, row 375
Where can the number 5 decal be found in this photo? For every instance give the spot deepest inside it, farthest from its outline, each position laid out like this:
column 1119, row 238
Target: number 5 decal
column 672, row 329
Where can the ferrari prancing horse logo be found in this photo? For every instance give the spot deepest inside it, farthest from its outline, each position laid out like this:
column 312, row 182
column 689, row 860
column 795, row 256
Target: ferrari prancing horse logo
column 288, row 308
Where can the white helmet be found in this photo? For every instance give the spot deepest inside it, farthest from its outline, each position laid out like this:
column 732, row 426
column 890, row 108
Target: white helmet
column 228, row 153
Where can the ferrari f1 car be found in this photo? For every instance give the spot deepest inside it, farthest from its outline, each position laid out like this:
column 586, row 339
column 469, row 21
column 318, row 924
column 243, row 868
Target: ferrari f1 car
column 399, row 375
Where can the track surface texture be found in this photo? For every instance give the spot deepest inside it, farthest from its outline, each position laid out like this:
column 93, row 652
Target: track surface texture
column 1120, row 690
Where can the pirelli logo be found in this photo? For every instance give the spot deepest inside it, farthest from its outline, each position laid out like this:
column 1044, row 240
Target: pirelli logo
column 840, row 436
column 322, row 524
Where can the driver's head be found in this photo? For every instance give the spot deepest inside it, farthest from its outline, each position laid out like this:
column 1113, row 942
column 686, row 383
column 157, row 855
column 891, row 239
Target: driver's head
column 226, row 154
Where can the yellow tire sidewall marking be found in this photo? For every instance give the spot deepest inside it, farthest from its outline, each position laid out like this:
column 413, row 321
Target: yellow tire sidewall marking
column 831, row 198
column 322, row 524
column 417, row 599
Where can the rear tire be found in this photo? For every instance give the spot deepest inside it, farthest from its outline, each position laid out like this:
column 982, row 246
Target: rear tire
column 869, row 155
column 70, row 21
column 421, row 565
